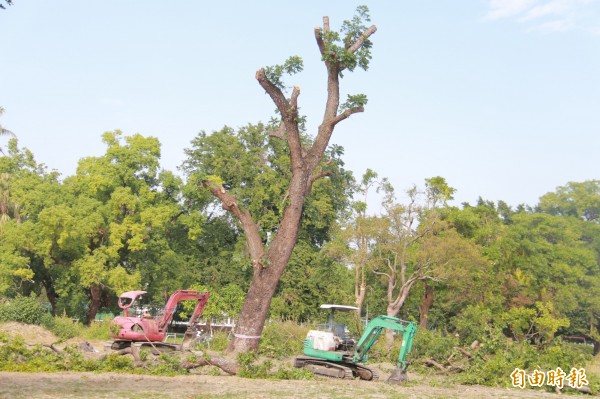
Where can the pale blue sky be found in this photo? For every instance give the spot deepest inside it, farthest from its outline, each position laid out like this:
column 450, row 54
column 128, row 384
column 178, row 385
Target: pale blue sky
column 500, row 97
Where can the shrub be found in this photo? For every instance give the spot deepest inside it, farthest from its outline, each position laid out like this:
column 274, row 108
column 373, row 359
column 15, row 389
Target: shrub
column 167, row 365
column 22, row 309
column 434, row 345
column 478, row 323
column 115, row 362
column 537, row 323
column 282, row 339
column 97, row 331
column 16, row 356
column 249, row 368
column 218, row 342
column 65, row 328
column 495, row 368
column 563, row 355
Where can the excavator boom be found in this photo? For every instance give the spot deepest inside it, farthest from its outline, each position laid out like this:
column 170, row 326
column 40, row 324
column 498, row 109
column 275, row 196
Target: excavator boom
column 374, row 329
column 184, row 295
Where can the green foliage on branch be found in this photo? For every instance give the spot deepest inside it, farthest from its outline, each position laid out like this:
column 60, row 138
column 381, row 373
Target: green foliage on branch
column 354, row 101
column 338, row 44
column 291, row 66
column 536, row 323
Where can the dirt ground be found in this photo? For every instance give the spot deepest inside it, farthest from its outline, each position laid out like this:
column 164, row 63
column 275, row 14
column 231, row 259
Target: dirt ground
column 117, row 386
column 196, row 386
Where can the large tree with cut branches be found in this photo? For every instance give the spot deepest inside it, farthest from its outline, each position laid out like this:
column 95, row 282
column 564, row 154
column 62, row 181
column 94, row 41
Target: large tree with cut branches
column 341, row 51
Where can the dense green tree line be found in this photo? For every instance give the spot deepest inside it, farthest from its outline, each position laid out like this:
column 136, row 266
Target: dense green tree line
column 121, row 223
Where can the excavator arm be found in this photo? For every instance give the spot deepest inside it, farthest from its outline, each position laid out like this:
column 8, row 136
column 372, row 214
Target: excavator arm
column 184, row 295
column 374, row 330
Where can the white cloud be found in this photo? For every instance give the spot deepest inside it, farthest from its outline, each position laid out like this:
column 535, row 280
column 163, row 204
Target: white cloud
column 559, row 25
column 508, row 8
column 548, row 15
column 556, row 7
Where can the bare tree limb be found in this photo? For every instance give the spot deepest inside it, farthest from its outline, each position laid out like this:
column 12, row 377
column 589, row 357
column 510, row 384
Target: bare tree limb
column 279, row 132
column 382, row 274
column 229, row 203
column 314, row 179
column 361, row 40
column 294, row 98
column 346, row 114
column 289, row 115
column 223, row 363
column 390, row 264
column 428, row 230
column 273, row 91
column 431, row 362
column 320, row 42
column 464, row 352
column 326, row 24
column 126, row 351
column 54, row 348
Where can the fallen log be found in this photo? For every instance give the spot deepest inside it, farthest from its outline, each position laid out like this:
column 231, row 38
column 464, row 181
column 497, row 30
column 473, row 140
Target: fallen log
column 54, row 348
column 133, row 351
column 227, row 365
column 431, row 362
column 583, row 389
column 464, row 352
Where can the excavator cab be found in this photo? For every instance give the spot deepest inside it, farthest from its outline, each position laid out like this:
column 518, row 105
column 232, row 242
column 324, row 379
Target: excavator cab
column 128, row 299
column 341, row 335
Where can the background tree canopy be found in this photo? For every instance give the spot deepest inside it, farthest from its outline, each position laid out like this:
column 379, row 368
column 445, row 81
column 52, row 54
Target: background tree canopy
column 119, row 223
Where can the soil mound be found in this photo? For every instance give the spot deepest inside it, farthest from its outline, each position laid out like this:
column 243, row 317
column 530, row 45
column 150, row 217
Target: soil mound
column 32, row 334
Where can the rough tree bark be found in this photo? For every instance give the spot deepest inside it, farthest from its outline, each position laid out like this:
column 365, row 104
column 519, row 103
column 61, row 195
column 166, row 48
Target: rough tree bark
column 360, row 266
column 426, row 303
column 50, row 293
column 269, row 263
column 95, row 295
column 360, row 287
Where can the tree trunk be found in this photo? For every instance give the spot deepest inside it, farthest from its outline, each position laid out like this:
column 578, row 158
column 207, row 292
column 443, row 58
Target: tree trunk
column 426, row 303
column 50, row 292
column 264, row 281
column 360, row 291
column 254, row 311
column 394, row 307
column 95, row 293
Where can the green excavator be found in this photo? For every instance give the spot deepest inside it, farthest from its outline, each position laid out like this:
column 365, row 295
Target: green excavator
column 334, row 353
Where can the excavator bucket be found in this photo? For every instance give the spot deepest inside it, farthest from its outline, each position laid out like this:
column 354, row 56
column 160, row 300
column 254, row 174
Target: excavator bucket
column 398, row 376
column 188, row 338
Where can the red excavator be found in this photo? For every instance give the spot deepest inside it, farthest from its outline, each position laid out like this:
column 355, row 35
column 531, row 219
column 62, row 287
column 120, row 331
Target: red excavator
column 151, row 331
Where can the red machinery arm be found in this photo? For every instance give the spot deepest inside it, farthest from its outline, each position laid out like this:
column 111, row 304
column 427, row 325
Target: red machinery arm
column 184, row 295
